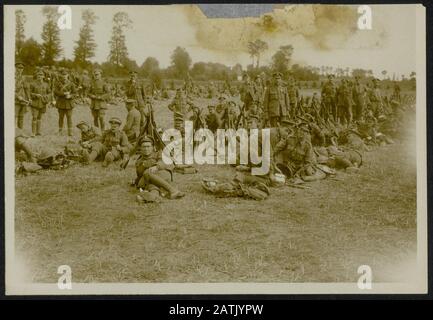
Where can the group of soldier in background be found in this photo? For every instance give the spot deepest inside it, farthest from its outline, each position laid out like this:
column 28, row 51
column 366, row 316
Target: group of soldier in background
column 310, row 135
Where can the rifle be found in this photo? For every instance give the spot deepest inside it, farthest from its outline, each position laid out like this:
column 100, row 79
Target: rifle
column 148, row 130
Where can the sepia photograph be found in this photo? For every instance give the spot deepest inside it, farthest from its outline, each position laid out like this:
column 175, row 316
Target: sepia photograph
column 215, row 149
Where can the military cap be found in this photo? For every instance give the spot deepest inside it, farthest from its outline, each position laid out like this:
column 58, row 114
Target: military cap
column 39, row 72
column 19, row 64
column 146, row 139
column 115, row 120
column 130, row 101
column 277, row 74
column 97, row 71
column 82, row 123
column 133, row 72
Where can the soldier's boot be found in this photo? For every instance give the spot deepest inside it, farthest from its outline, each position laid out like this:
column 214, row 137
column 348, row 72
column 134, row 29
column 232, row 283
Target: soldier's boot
column 96, row 122
column 60, row 131
column 162, row 183
column 109, row 158
column 70, row 132
column 38, row 127
column 33, row 128
column 20, row 122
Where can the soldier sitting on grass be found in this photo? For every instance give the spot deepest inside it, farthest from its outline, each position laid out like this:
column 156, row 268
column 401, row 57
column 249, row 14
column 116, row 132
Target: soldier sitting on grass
column 153, row 175
column 113, row 145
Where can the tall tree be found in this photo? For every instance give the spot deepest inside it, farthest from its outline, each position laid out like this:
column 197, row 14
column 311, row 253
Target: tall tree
column 149, row 66
column 30, row 53
column 20, row 20
column 180, row 61
column 85, row 45
column 118, row 50
column 281, row 59
column 51, row 46
column 255, row 49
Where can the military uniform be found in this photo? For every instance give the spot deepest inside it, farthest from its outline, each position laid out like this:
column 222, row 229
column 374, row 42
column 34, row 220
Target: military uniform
column 276, row 103
column 180, row 106
column 40, row 95
column 297, row 154
column 21, row 96
column 113, row 145
column 136, row 91
column 344, row 102
column 293, row 93
column 132, row 125
column 64, row 90
column 99, row 93
column 248, row 95
column 153, row 175
column 358, row 93
column 328, row 100
column 375, row 99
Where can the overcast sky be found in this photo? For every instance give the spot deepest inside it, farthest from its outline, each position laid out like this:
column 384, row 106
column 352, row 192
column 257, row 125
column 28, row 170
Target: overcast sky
column 318, row 38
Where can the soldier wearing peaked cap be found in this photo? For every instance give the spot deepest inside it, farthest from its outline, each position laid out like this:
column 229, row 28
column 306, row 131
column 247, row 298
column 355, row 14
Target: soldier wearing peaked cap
column 40, row 96
column 89, row 134
column 276, row 103
column 113, row 145
column 153, row 175
column 99, row 93
column 22, row 95
column 64, row 91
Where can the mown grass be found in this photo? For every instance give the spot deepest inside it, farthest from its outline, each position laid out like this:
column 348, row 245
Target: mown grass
column 87, row 217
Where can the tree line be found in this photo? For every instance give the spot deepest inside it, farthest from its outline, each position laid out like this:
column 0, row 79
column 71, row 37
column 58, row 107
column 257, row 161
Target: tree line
column 118, row 63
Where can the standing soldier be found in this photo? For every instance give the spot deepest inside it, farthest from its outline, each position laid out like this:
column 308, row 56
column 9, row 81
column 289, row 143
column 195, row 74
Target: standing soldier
column 358, row 94
column 40, row 95
column 328, row 99
column 64, row 90
column 86, row 82
column 21, row 95
column 135, row 90
column 293, row 93
column 180, row 107
column 344, row 102
column 248, row 95
column 99, row 93
column 133, row 120
column 375, row 98
column 276, row 103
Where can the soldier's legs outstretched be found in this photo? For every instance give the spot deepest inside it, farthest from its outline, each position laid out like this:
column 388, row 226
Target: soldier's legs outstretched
column 157, row 180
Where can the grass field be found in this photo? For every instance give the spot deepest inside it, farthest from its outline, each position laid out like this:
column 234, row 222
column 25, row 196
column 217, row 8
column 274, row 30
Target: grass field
column 87, row 217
